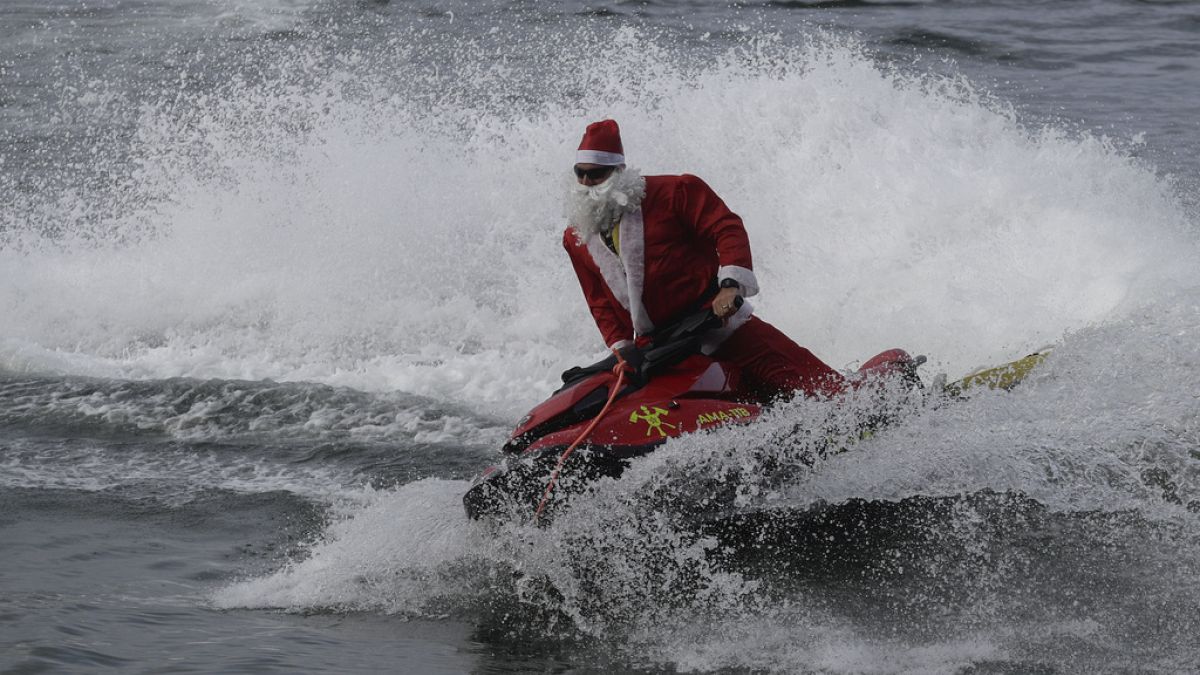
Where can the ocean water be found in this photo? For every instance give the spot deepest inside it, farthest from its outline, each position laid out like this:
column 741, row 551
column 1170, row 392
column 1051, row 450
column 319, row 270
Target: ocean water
column 276, row 279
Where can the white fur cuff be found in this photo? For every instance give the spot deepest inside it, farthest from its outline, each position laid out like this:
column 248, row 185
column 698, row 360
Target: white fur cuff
column 743, row 276
column 620, row 344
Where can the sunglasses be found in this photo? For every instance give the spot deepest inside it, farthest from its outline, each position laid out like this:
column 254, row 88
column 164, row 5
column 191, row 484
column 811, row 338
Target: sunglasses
column 594, row 174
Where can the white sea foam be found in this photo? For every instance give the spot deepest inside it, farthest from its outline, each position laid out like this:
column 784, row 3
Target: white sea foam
column 1078, row 436
column 228, row 409
column 388, row 555
column 312, row 233
column 167, row 476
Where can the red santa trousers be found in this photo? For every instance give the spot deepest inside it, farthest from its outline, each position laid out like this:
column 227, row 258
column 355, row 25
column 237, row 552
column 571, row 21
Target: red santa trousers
column 772, row 365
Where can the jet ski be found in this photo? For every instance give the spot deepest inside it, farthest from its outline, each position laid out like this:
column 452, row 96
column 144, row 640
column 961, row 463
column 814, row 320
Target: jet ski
column 624, row 407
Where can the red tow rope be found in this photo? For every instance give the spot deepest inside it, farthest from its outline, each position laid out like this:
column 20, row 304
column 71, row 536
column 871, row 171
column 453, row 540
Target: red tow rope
column 619, row 370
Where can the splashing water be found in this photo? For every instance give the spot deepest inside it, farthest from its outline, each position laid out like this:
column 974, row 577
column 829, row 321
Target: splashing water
column 391, row 237
column 330, row 233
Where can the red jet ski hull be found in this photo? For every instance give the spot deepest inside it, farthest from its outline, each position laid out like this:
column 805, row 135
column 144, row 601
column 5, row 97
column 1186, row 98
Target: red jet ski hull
column 696, row 394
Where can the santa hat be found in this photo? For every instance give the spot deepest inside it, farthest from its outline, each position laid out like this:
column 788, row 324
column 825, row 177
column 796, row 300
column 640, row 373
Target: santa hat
column 601, row 144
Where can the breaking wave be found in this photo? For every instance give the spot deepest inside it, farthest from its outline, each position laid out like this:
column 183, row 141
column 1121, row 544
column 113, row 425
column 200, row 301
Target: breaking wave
column 373, row 221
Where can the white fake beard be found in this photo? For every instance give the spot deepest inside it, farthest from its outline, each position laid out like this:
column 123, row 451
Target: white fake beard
column 592, row 209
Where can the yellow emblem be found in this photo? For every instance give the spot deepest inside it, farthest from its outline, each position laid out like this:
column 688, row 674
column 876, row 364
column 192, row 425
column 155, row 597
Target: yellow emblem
column 722, row 416
column 653, row 418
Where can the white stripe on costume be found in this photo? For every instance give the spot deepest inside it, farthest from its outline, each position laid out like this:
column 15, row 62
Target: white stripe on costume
column 633, row 254
column 610, row 268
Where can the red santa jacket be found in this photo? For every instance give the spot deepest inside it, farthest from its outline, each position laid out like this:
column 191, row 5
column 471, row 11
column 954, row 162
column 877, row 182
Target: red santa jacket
column 681, row 240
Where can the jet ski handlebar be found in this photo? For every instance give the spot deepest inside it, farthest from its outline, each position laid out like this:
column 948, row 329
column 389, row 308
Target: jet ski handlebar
column 665, row 347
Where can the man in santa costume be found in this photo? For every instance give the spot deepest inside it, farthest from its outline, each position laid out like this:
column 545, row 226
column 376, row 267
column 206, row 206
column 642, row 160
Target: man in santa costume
column 647, row 249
